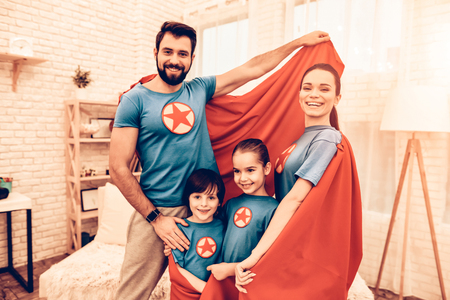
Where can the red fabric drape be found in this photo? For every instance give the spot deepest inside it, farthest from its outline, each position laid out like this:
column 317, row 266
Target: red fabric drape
column 220, row 290
column 270, row 112
column 319, row 251
column 180, row 288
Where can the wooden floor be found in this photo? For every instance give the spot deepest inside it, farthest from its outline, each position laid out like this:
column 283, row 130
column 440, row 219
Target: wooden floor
column 385, row 294
column 10, row 289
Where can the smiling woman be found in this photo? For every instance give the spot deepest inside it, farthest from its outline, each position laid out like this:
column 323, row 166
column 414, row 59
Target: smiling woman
column 319, row 94
column 297, row 173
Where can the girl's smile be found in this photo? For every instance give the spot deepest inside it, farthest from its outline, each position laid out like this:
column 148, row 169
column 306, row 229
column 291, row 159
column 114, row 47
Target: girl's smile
column 249, row 173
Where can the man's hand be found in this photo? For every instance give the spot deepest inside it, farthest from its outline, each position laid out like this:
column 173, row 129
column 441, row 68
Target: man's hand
column 243, row 275
column 314, row 38
column 222, row 270
column 166, row 228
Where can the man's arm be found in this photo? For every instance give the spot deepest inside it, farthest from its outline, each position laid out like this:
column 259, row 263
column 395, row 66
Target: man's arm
column 122, row 148
column 264, row 63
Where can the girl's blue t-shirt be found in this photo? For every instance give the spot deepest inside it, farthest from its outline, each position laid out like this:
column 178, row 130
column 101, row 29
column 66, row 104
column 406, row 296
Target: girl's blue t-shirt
column 248, row 217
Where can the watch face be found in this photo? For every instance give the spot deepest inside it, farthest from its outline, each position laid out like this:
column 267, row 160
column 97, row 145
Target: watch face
column 21, row 46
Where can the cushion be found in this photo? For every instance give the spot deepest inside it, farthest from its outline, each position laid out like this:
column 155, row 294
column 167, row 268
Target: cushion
column 115, row 214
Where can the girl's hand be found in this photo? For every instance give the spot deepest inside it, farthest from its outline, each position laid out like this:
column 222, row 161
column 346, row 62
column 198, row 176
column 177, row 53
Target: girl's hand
column 222, row 270
column 167, row 250
column 243, row 275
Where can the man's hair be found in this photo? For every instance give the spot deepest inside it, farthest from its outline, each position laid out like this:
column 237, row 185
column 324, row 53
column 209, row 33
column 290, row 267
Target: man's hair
column 177, row 30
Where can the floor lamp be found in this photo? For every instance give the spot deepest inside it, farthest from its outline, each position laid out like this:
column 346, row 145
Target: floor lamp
column 414, row 109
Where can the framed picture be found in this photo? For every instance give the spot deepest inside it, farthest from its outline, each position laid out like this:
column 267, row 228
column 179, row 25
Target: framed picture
column 89, row 199
column 105, row 126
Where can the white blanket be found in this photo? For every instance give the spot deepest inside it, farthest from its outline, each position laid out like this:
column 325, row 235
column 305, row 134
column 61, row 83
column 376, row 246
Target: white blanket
column 92, row 273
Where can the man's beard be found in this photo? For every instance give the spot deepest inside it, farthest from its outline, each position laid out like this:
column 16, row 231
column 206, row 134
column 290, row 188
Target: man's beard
column 174, row 79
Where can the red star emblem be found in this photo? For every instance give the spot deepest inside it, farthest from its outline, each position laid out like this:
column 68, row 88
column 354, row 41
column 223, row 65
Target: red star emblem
column 281, row 160
column 206, row 247
column 242, row 217
column 178, row 117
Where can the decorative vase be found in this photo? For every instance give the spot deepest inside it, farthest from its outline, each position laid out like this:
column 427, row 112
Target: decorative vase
column 81, row 94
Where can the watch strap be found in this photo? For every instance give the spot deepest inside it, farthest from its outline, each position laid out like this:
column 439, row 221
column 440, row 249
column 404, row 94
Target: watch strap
column 153, row 215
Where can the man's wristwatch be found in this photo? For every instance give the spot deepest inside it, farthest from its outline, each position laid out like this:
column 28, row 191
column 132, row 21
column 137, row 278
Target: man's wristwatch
column 153, row 215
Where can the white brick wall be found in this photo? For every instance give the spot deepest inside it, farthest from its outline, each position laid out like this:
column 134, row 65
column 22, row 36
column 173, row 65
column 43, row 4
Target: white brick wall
column 111, row 38
column 363, row 100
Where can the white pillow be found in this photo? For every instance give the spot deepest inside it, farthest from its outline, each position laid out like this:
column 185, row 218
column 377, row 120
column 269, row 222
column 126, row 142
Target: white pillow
column 116, row 213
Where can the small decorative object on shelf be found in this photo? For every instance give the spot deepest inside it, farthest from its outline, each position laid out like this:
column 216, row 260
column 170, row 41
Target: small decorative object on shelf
column 21, row 45
column 89, row 128
column 6, row 182
column 89, row 199
column 105, row 127
column 4, row 192
column 86, row 172
column 81, row 79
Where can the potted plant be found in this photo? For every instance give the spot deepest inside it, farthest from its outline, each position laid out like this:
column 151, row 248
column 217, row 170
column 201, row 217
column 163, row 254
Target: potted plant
column 81, row 79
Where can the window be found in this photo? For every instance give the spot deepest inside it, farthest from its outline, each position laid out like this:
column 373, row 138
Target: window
column 375, row 159
column 447, row 206
column 224, row 47
column 366, row 34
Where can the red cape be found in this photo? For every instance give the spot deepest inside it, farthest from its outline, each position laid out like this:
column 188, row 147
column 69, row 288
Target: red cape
column 318, row 253
column 180, row 288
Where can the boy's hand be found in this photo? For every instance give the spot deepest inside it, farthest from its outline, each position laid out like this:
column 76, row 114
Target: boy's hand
column 167, row 250
column 222, row 270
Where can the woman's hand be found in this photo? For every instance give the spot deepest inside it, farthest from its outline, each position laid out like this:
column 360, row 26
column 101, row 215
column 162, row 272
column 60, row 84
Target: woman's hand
column 243, row 275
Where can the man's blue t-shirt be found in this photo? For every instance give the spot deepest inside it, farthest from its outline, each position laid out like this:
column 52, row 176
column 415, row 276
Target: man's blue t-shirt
column 248, row 217
column 173, row 136
column 206, row 242
column 307, row 158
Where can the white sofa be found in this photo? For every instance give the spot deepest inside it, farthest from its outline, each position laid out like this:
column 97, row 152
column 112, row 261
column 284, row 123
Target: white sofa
column 92, row 273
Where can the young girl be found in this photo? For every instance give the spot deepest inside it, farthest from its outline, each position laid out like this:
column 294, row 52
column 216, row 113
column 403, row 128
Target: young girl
column 203, row 195
column 249, row 214
column 301, row 166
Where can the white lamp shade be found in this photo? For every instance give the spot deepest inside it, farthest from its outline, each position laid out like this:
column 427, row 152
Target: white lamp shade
column 417, row 108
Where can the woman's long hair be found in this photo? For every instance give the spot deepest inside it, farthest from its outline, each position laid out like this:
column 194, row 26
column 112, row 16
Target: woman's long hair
column 334, row 121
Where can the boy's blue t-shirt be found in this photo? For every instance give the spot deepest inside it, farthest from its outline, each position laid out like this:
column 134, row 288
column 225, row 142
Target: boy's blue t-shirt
column 173, row 136
column 206, row 242
column 307, row 158
column 248, row 217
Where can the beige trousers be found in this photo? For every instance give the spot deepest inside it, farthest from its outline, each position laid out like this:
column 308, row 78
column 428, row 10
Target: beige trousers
column 144, row 261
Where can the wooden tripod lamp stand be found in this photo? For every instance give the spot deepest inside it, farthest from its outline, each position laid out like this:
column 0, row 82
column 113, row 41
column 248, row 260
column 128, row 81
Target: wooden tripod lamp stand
column 414, row 109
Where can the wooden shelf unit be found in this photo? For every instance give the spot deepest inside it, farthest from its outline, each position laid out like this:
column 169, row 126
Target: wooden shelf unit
column 18, row 61
column 73, row 167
